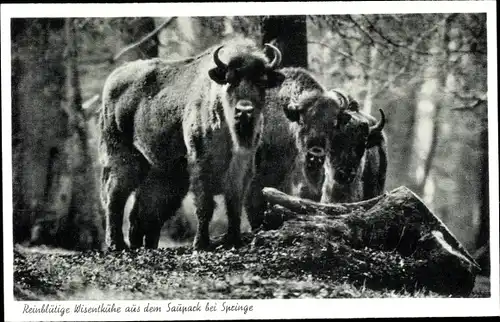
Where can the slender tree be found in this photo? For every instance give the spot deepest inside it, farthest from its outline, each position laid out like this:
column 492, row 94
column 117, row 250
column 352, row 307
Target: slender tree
column 56, row 193
column 38, row 121
column 443, row 76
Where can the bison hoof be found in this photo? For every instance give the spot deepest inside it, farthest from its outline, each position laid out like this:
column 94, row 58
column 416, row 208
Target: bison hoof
column 230, row 241
column 117, row 247
column 135, row 246
column 200, row 244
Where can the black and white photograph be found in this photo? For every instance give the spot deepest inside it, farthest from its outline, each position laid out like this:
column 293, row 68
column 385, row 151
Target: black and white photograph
column 161, row 163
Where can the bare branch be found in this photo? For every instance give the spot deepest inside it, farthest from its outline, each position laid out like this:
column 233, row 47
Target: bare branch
column 88, row 103
column 410, row 59
column 469, row 107
column 90, row 108
column 138, row 43
column 345, row 55
column 405, row 45
column 84, row 22
column 462, row 96
column 367, row 34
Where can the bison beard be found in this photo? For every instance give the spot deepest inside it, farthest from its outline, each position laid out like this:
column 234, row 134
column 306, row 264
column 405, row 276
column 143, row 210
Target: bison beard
column 244, row 126
column 313, row 173
column 315, row 159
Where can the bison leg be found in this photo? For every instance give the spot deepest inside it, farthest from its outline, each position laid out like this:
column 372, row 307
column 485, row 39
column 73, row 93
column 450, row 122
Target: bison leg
column 119, row 180
column 136, row 231
column 205, row 205
column 117, row 194
column 158, row 198
column 236, row 187
column 255, row 204
column 203, row 201
column 146, row 219
column 233, row 206
column 153, row 237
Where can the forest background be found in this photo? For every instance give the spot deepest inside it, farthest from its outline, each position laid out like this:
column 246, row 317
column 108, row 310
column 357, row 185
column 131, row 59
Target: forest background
column 428, row 72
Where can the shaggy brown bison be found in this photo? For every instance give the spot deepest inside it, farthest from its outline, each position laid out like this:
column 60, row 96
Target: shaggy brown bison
column 206, row 110
column 318, row 145
column 356, row 162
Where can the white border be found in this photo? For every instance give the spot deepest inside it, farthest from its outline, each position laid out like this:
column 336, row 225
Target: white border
column 269, row 309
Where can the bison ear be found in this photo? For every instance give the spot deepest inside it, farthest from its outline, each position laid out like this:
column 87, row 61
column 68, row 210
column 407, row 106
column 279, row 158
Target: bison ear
column 274, row 79
column 218, row 75
column 343, row 118
column 374, row 139
column 353, row 105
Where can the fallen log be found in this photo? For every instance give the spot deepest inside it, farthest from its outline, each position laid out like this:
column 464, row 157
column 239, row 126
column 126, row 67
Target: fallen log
column 393, row 240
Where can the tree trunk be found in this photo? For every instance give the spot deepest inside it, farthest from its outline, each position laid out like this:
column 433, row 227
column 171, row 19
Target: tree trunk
column 400, row 129
column 409, row 144
column 391, row 240
column 54, row 176
column 371, row 60
column 39, row 124
column 443, row 76
column 289, row 34
column 483, row 236
column 84, row 214
column 21, row 217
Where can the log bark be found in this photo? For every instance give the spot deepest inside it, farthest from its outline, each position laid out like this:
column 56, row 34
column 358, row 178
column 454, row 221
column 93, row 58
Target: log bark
column 392, row 240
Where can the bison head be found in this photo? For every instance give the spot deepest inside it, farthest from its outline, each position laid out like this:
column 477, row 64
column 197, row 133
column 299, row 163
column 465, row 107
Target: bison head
column 332, row 136
column 246, row 78
column 315, row 115
column 353, row 135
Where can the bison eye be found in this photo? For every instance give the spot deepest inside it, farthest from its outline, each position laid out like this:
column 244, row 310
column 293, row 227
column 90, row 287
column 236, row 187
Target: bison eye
column 261, row 80
column 233, row 77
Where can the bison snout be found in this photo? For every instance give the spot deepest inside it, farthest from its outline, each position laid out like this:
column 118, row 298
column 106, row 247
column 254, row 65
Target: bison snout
column 244, row 110
column 244, row 106
column 315, row 157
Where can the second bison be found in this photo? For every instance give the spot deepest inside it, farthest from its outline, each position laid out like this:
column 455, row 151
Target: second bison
column 317, row 145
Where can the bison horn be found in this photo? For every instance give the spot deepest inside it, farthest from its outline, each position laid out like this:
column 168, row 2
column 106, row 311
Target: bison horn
column 344, row 99
column 217, row 60
column 380, row 124
column 277, row 56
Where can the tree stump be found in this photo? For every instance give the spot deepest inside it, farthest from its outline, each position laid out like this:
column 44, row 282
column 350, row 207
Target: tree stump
column 392, row 241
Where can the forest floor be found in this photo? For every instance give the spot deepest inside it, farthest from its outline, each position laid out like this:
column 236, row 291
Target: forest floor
column 179, row 273
column 174, row 271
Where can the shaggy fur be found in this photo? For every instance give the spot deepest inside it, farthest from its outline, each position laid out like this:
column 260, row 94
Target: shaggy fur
column 356, row 163
column 279, row 156
column 301, row 117
column 157, row 113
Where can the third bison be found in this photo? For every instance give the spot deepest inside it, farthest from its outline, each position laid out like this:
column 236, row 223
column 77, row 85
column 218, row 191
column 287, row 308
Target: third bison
column 317, row 145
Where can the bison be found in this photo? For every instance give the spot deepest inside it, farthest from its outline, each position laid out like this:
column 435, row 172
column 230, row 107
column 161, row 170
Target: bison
column 316, row 144
column 356, row 162
column 197, row 122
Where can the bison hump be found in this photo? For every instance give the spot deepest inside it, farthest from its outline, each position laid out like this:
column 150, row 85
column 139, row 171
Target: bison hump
column 126, row 87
